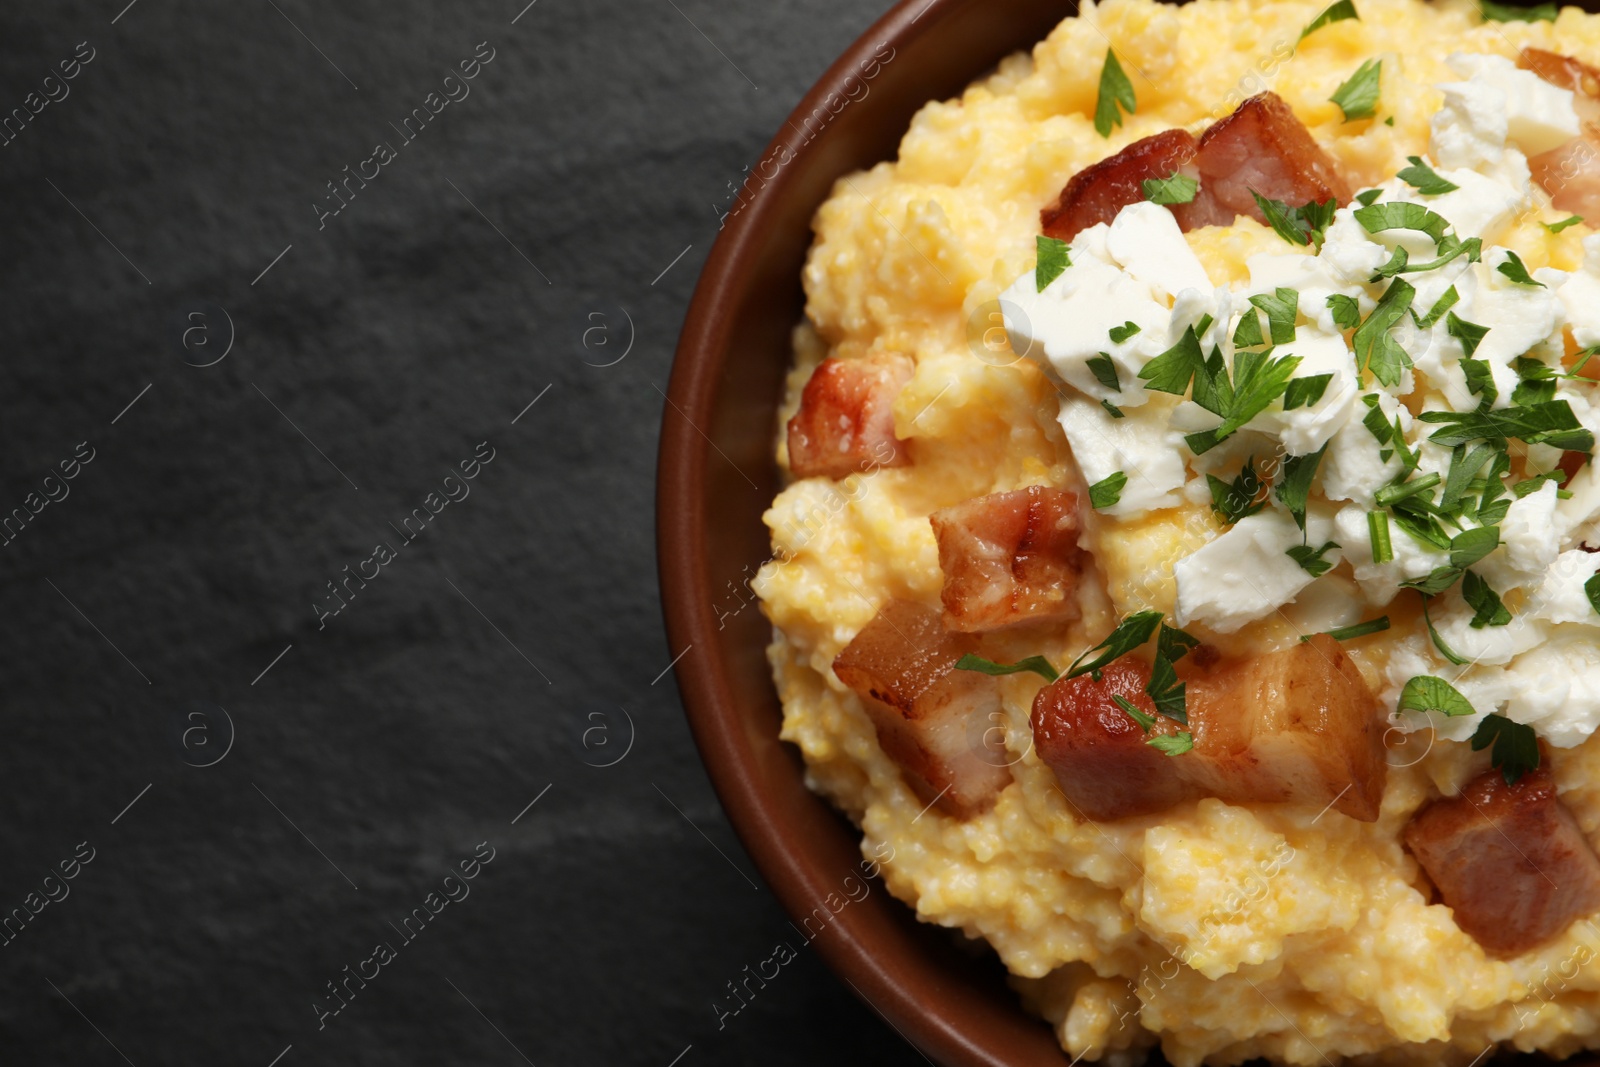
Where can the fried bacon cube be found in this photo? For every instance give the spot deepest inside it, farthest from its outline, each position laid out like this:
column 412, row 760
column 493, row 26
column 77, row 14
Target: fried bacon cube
column 1098, row 753
column 1509, row 860
column 1262, row 146
column 845, row 424
column 1009, row 558
column 1570, row 173
column 1296, row 726
column 1096, row 193
column 936, row 722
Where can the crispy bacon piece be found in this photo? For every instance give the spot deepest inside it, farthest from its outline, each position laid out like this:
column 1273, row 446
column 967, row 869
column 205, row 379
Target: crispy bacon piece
column 1100, row 190
column 1262, row 146
column 931, row 719
column 1509, row 860
column 1296, row 726
column 1009, row 558
column 846, row 419
column 1570, row 173
column 1098, row 752
column 1299, row 725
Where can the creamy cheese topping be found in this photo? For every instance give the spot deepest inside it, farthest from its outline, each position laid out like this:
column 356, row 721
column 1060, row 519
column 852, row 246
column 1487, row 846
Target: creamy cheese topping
column 1429, row 391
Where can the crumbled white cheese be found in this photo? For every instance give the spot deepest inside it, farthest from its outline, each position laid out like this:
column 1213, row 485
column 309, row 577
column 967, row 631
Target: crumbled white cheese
column 1308, row 428
column 1380, row 582
column 1539, row 116
column 1146, row 242
column 1103, row 446
column 1529, row 541
column 1247, row 572
column 1556, row 687
column 1492, row 645
column 1560, row 596
column 1353, row 468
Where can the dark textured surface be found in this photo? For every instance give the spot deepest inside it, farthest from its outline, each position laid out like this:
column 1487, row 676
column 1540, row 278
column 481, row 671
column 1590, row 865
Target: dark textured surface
column 491, row 657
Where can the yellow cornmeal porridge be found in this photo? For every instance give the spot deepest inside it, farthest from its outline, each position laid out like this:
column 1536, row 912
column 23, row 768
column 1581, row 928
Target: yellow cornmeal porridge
column 1220, row 932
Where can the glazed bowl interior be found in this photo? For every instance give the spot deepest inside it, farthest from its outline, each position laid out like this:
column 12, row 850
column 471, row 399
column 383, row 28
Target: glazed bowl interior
column 718, row 475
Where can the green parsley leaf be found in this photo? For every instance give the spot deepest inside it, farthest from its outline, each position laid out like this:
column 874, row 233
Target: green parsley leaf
column 1378, row 533
column 1550, row 423
column 1115, row 90
column 1557, row 227
column 1494, row 503
column 1536, row 381
column 1116, row 412
column 1397, row 215
column 1438, row 642
column 1172, row 644
column 1399, row 259
column 1360, row 629
column 1303, row 392
column 1591, row 589
column 1449, row 248
column 1174, row 744
column 1516, row 746
column 1133, row 712
column 1365, row 199
column 1166, row 692
column 1488, row 608
column 1104, row 371
column 1311, row 559
column 1240, row 499
column 1303, row 225
column 1129, row 634
column 1469, row 546
column 1358, row 97
column 1447, row 300
column 1532, row 485
column 1424, row 179
column 1295, row 487
column 1108, row 490
column 1470, row 334
column 1174, row 189
column 1464, row 467
column 1427, row 693
column 1248, row 333
column 1513, row 268
column 1346, row 312
column 1054, row 258
column 1258, row 380
column 1376, row 349
column 1171, row 370
column 1281, row 308
column 1493, row 12
column 1121, row 333
column 1336, row 12
column 1037, row 664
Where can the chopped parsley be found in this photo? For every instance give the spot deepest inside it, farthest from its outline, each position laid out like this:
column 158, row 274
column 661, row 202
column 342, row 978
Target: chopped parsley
column 1240, row 499
column 1295, row 487
column 1174, row 189
column 1493, row 12
column 1427, row 693
column 1376, row 349
column 1513, row 268
column 1311, row 559
column 1129, row 634
column 1438, row 642
column 1346, row 312
column 1132, row 710
column 1549, row 423
column 1360, row 629
column 1112, row 409
column 1447, row 300
column 1358, row 97
column 1108, row 490
column 1121, row 333
column 1303, row 225
column 1470, row 334
column 1054, row 257
column 1485, row 602
column 1166, row 692
column 1366, row 198
column 1037, row 664
column 1398, row 215
column 1591, row 589
column 1336, row 12
column 1105, row 372
column 1557, row 227
column 1424, row 179
column 1116, row 96
column 1303, row 392
column 1516, row 748
column 1174, row 744
column 1281, row 308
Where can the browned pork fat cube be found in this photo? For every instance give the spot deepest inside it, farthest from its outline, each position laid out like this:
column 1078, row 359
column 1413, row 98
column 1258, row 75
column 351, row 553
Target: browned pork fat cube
column 846, row 419
column 1100, row 190
column 1570, row 173
column 1299, row 725
column 1098, row 753
column 1009, row 558
column 936, row 722
column 1261, row 147
column 1509, row 860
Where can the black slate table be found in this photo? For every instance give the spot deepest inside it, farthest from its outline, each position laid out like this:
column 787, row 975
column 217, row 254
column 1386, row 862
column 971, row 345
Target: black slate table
column 334, row 345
